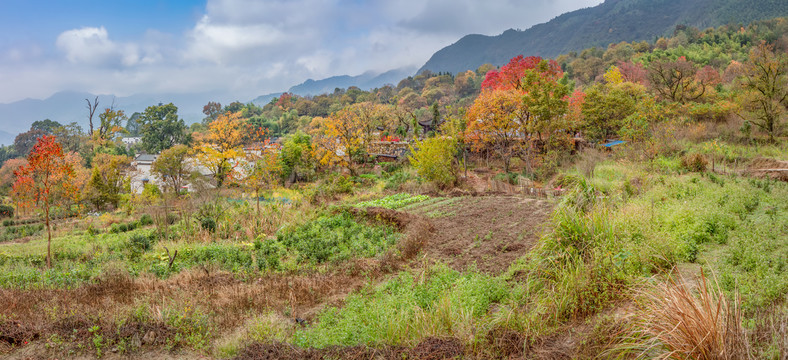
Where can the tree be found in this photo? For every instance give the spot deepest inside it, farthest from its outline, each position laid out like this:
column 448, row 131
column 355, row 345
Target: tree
column 676, row 80
column 544, row 97
column 172, row 167
column 106, row 181
column 434, row 160
column 110, row 121
column 162, row 129
column 296, row 156
column 222, row 146
column 91, row 111
column 510, row 76
column 509, row 112
column 133, row 125
column 343, row 138
column 497, row 120
column 767, row 88
column 8, row 171
column 48, row 179
column 46, row 125
column 70, row 137
column 263, row 171
column 24, row 142
column 212, row 110
column 606, row 106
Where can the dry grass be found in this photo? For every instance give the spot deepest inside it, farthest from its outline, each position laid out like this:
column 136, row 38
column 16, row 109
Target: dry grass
column 675, row 322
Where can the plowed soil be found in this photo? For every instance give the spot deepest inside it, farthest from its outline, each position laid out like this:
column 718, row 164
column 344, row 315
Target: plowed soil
column 488, row 232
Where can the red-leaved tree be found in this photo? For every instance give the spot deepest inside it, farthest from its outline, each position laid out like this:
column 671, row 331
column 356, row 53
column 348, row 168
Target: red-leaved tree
column 510, row 76
column 47, row 180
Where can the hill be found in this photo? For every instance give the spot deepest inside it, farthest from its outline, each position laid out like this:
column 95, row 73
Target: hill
column 69, row 106
column 610, row 22
column 366, row 81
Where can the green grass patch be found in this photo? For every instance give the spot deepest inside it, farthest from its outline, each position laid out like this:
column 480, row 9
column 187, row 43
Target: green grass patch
column 395, row 201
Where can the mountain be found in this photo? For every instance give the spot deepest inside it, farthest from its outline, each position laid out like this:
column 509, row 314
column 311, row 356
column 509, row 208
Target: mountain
column 610, row 22
column 70, row 106
column 6, row 138
column 263, row 100
column 366, row 81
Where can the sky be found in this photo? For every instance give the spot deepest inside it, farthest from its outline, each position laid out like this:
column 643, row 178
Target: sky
column 243, row 48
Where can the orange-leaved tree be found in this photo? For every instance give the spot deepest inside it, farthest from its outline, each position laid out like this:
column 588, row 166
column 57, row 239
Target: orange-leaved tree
column 47, row 179
column 221, row 148
column 497, row 120
column 522, row 100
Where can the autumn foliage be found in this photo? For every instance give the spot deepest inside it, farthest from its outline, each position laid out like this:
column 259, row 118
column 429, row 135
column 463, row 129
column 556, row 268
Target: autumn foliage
column 219, row 148
column 47, row 181
column 510, row 75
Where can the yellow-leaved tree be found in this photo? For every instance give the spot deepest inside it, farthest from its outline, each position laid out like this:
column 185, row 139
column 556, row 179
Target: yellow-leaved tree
column 220, row 149
column 343, row 138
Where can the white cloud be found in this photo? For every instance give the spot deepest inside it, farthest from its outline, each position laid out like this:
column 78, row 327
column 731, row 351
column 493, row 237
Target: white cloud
column 250, row 47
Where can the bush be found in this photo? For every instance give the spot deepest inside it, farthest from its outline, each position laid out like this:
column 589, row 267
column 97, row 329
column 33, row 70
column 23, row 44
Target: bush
column 694, row 162
column 330, row 187
column 8, row 222
column 434, row 160
column 336, row 238
column 146, row 220
column 208, row 223
column 6, row 211
column 269, row 253
column 139, row 243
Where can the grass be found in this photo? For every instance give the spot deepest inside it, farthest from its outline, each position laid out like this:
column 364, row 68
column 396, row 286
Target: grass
column 674, row 321
column 394, row 202
column 620, row 229
column 414, row 305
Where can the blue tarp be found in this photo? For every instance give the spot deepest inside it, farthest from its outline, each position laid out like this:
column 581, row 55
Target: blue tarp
column 613, row 143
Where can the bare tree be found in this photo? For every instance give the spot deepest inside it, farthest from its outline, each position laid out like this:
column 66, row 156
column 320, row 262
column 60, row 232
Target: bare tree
column 92, row 110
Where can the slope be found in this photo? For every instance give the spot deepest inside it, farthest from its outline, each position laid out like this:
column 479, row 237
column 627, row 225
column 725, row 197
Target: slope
column 610, row 22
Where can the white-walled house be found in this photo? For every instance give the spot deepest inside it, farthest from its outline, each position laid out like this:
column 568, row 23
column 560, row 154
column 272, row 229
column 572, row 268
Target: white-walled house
column 140, row 172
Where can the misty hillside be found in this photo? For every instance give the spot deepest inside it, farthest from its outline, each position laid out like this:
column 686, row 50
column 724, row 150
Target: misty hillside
column 610, row 22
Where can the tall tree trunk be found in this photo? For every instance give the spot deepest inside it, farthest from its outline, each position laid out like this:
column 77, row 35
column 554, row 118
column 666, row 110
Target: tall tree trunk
column 49, row 235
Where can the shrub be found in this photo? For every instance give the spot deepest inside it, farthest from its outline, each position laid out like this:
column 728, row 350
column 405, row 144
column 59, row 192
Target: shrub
column 208, row 223
column 269, row 253
column 151, row 192
column 6, row 211
column 146, row 220
column 434, row 160
column 139, row 243
column 335, row 238
column 694, row 162
column 330, row 187
column 8, row 222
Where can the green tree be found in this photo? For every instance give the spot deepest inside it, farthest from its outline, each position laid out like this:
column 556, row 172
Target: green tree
column 296, row 158
column 133, row 126
column 434, row 160
column 606, row 106
column 162, row 129
column 173, row 167
column 106, row 181
column 46, row 125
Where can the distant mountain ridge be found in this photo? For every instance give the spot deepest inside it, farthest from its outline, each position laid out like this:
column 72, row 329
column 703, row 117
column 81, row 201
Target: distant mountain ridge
column 366, row 81
column 70, row 106
column 610, row 22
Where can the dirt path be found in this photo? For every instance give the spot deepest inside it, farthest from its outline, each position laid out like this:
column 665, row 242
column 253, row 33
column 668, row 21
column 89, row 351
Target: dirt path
column 488, row 231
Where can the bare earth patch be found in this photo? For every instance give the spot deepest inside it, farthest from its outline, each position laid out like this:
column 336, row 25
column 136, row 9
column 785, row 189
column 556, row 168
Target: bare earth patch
column 488, row 231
